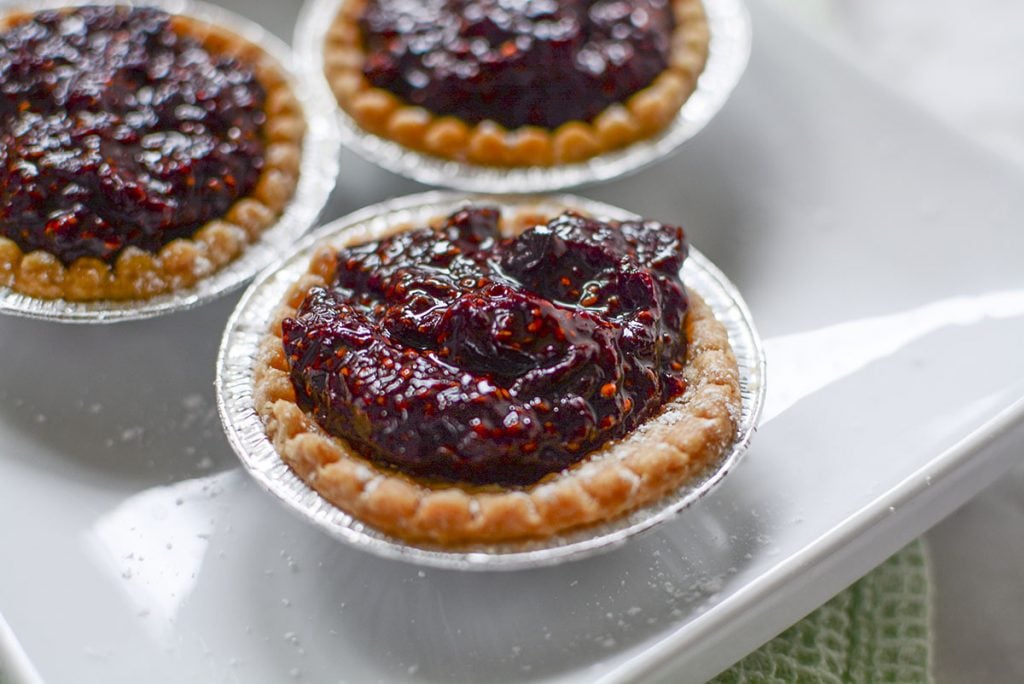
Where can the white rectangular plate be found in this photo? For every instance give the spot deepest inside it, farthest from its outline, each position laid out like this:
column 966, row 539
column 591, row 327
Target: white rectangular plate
column 880, row 255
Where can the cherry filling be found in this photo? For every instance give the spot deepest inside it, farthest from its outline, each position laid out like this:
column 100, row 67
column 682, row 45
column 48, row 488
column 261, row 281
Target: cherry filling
column 115, row 130
column 455, row 354
column 516, row 62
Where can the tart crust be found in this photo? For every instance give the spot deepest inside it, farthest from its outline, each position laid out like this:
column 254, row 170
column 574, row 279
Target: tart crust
column 181, row 263
column 640, row 116
column 690, row 433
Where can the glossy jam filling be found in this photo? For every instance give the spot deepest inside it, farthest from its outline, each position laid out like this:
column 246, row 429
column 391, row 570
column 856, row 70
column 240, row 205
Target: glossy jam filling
column 459, row 355
column 115, row 130
column 516, row 62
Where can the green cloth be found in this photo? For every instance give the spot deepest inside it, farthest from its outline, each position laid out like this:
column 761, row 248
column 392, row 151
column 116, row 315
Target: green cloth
column 878, row 630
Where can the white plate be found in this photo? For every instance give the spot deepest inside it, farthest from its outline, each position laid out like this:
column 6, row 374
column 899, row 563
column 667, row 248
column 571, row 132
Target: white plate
column 880, row 256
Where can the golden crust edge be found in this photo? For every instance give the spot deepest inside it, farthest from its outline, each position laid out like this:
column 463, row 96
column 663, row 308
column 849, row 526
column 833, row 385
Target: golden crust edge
column 643, row 115
column 137, row 274
column 689, row 433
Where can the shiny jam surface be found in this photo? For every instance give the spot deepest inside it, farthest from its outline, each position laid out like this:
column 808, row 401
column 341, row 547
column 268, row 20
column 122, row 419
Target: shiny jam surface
column 115, row 130
column 456, row 354
column 516, row 62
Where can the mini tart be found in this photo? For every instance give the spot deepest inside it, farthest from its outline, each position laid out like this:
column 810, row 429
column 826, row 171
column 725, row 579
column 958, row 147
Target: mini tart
column 642, row 115
column 689, row 434
column 181, row 263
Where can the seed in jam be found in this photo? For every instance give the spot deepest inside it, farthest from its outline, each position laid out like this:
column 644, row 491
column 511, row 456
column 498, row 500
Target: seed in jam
column 455, row 354
column 537, row 62
column 116, row 130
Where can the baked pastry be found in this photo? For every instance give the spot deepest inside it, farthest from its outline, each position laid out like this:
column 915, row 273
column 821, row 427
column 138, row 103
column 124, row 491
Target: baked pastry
column 139, row 151
column 534, row 83
column 497, row 378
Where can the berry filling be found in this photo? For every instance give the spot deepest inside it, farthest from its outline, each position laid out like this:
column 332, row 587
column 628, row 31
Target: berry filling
column 516, row 62
column 456, row 354
column 116, row 130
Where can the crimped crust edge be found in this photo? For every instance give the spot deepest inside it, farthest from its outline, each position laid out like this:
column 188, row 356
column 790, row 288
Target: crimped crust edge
column 641, row 116
column 689, row 434
column 181, row 263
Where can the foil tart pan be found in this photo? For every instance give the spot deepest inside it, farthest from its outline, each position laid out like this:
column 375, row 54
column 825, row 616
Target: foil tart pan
column 729, row 50
column 317, row 174
column 246, row 434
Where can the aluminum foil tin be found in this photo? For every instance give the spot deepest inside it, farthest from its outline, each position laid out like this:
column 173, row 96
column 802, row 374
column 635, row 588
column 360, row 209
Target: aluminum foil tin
column 729, row 24
column 245, row 431
column 317, row 174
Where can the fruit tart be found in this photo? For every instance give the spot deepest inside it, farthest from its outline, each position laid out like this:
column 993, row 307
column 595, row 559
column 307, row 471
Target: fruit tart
column 515, row 84
column 491, row 378
column 140, row 151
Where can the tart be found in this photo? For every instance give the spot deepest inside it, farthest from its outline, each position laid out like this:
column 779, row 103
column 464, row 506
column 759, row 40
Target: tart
column 497, row 378
column 140, row 151
column 535, row 83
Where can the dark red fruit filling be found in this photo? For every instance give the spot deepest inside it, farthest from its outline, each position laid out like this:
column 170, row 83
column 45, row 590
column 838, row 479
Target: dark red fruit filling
column 458, row 355
column 539, row 62
column 117, row 131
